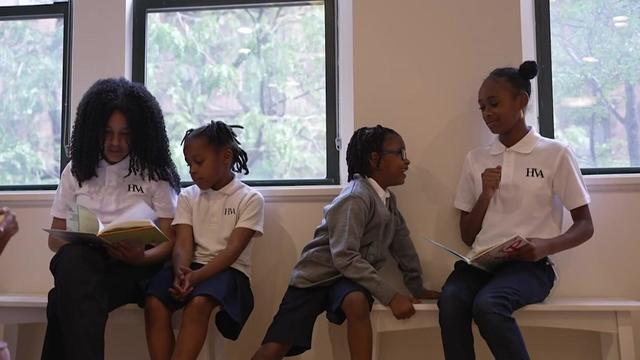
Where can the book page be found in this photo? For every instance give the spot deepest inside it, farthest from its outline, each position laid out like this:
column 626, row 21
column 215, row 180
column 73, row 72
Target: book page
column 87, row 221
column 144, row 235
column 499, row 253
column 139, row 215
column 74, row 237
column 452, row 252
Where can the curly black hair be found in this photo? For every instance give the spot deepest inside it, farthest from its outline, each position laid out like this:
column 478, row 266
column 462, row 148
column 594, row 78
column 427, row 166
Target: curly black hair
column 221, row 135
column 363, row 143
column 149, row 154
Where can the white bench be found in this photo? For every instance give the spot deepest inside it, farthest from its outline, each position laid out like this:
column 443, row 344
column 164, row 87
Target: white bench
column 16, row 310
column 610, row 317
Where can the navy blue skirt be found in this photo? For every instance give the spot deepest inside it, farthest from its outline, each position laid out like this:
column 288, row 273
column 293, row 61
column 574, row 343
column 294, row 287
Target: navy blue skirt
column 230, row 288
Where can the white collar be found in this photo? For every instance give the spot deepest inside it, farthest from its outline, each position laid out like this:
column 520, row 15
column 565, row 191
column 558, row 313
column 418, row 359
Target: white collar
column 382, row 193
column 120, row 165
column 524, row 146
column 228, row 189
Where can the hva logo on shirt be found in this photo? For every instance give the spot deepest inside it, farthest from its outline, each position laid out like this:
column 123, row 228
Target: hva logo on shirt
column 533, row 172
column 135, row 188
column 229, row 211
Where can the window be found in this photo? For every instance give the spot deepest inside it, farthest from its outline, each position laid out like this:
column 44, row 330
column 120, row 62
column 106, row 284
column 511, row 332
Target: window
column 33, row 92
column 269, row 66
column 589, row 85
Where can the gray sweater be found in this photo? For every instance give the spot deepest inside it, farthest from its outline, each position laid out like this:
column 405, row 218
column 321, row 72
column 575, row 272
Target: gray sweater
column 351, row 241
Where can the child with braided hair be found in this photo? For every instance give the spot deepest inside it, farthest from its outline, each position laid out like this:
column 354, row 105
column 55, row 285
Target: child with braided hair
column 215, row 222
column 337, row 272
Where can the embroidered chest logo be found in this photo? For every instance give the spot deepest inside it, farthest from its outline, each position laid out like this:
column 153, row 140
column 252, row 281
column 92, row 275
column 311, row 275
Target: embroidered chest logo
column 229, row 211
column 135, row 188
column 533, row 172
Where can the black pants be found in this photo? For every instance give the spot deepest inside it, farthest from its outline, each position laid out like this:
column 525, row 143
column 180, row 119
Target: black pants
column 88, row 285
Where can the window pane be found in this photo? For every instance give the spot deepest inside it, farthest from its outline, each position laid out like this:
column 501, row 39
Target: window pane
column 595, row 47
column 261, row 67
column 25, row 2
column 31, row 54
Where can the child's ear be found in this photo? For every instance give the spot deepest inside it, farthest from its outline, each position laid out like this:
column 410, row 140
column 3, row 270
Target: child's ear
column 227, row 156
column 374, row 160
column 524, row 100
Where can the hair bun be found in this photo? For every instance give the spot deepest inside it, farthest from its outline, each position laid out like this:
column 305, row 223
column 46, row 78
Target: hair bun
column 528, row 70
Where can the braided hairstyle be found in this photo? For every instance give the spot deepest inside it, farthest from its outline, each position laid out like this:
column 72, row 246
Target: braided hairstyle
column 149, row 154
column 363, row 143
column 221, row 136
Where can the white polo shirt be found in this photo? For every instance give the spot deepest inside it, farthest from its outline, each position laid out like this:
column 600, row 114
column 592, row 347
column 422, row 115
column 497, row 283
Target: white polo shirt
column 111, row 193
column 215, row 214
column 540, row 176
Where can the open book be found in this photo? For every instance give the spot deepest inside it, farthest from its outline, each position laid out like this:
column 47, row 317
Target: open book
column 134, row 226
column 488, row 259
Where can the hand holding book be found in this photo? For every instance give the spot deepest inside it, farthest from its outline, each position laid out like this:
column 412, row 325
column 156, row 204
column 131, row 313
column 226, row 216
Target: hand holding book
column 493, row 256
column 132, row 254
column 534, row 250
column 133, row 227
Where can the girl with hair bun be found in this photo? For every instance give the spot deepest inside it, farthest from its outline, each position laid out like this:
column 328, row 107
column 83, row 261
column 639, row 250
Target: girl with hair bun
column 518, row 185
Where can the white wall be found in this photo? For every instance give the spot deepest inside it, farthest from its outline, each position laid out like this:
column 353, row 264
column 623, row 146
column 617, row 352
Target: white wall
column 417, row 67
column 100, row 44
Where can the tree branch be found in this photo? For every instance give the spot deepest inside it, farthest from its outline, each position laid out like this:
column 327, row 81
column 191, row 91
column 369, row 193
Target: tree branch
column 593, row 81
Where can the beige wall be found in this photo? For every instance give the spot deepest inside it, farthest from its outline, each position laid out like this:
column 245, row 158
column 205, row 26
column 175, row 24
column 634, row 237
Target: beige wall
column 417, row 68
column 417, row 65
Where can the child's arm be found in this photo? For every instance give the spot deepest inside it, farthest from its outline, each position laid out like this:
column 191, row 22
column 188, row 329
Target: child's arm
column 404, row 252
column 238, row 241
column 346, row 221
column 183, row 249
column 164, row 203
column 249, row 224
column 62, row 207
column 135, row 254
column 568, row 185
column 579, row 232
column 471, row 222
column 181, row 259
column 54, row 243
column 161, row 252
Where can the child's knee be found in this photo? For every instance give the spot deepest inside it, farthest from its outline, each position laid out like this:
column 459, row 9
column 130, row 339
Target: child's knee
column 75, row 262
column 488, row 308
column 356, row 306
column 271, row 350
column 155, row 311
column 452, row 300
column 153, row 305
column 202, row 303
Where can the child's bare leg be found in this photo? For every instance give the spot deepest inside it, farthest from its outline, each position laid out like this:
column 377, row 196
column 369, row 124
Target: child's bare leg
column 271, row 351
column 159, row 331
column 193, row 328
column 356, row 307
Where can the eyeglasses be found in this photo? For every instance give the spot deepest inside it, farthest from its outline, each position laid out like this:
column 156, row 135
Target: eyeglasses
column 400, row 152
